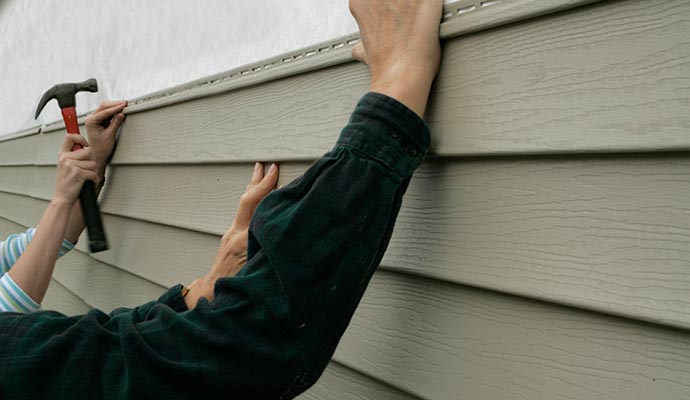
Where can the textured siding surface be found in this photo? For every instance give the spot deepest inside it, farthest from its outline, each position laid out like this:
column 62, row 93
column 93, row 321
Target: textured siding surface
column 542, row 251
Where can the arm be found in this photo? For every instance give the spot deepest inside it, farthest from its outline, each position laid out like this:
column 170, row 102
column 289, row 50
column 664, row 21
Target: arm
column 15, row 245
column 29, row 277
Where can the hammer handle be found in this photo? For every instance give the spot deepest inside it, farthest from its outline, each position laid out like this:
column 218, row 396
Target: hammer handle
column 87, row 196
column 92, row 218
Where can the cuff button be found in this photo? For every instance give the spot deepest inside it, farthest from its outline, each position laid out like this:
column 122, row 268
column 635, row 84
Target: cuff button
column 411, row 150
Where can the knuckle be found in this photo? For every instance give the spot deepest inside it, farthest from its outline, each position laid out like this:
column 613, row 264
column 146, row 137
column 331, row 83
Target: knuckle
column 246, row 198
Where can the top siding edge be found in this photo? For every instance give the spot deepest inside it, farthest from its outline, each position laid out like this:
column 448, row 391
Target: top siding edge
column 35, row 130
column 459, row 18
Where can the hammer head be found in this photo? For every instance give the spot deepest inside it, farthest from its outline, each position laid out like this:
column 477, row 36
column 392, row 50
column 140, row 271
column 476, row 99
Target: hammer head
column 65, row 92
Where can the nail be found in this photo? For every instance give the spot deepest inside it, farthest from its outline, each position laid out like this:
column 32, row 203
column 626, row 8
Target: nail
column 273, row 168
column 257, row 166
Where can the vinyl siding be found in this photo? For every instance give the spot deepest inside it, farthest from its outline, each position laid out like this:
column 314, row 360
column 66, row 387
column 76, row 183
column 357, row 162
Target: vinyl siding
column 542, row 251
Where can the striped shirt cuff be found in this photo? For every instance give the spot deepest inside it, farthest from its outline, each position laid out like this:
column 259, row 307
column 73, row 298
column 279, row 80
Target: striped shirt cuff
column 65, row 247
column 13, row 298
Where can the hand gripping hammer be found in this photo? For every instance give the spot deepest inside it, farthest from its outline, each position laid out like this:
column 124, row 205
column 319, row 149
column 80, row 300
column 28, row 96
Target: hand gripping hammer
column 65, row 93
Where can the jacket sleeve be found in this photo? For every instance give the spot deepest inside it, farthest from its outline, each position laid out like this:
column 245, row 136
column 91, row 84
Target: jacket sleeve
column 271, row 330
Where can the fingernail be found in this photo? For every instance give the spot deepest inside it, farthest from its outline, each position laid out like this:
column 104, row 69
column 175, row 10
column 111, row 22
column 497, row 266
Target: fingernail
column 257, row 166
column 273, row 168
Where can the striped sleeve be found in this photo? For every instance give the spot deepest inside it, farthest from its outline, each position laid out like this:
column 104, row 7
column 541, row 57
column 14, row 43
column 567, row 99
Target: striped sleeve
column 16, row 244
column 13, row 298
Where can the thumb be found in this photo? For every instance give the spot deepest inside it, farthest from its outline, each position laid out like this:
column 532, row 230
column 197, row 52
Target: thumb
column 359, row 53
column 71, row 140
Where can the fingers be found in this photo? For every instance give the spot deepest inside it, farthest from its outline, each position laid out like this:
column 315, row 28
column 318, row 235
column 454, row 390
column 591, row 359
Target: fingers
column 260, row 187
column 257, row 175
column 105, row 112
column 267, row 183
column 71, row 140
column 115, row 123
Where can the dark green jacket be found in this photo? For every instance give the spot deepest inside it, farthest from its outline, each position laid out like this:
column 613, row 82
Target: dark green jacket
column 272, row 329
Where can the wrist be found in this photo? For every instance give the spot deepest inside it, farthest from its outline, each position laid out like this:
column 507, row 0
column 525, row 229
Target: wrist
column 100, row 168
column 408, row 85
column 59, row 202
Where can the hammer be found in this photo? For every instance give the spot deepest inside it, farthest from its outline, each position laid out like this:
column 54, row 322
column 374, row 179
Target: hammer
column 65, row 93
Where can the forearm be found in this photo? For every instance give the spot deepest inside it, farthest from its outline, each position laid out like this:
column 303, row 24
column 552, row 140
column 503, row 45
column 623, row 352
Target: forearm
column 33, row 270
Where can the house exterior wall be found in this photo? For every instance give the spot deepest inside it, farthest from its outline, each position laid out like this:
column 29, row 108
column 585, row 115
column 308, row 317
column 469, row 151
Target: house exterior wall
column 542, row 251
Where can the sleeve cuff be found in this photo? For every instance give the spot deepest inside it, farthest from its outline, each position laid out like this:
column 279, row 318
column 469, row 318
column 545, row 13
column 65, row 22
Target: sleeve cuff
column 173, row 299
column 14, row 299
column 65, row 247
column 388, row 131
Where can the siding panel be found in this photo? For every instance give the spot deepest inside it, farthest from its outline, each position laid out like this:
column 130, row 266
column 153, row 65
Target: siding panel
column 341, row 383
column 59, row 298
column 444, row 341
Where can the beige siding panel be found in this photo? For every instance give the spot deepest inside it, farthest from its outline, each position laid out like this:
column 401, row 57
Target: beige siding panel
column 606, row 233
column 50, row 144
column 103, row 286
column 20, row 151
column 341, row 383
column 202, row 197
column 614, row 76
column 29, row 180
column 25, row 211
column 18, row 179
column 162, row 254
column 59, row 298
column 444, row 341
column 100, row 285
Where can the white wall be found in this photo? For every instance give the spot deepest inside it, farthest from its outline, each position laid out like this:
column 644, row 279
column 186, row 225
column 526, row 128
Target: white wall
column 135, row 47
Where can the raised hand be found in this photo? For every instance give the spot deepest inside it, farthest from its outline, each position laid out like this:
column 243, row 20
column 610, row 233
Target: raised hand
column 400, row 43
column 101, row 129
column 232, row 254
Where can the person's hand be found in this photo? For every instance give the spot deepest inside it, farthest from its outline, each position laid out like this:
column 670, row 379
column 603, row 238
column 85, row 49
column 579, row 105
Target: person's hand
column 74, row 168
column 400, row 43
column 232, row 254
column 101, row 129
